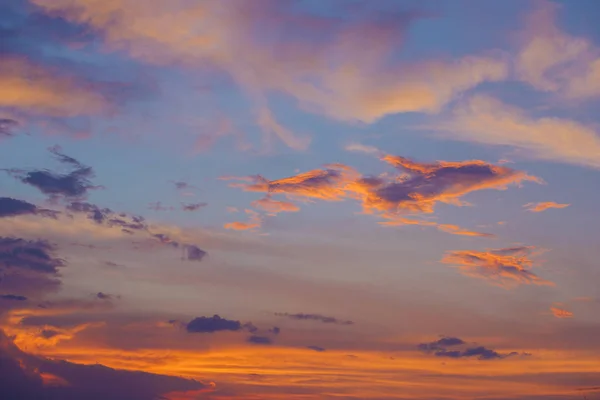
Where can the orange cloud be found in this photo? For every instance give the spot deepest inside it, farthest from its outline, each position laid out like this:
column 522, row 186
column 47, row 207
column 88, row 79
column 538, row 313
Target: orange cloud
column 484, row 119
column 254, row 222
column 542, row 206
column 415, row 190
column 504, row 267
column 29, row 87
column 560, row 313
column 275, row 206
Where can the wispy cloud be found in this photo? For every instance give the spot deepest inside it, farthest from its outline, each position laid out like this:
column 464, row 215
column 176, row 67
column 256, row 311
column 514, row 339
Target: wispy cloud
column 543, row 206
column 506, row 267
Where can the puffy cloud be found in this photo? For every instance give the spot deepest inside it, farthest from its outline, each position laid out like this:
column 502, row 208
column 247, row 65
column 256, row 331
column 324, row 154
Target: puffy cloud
column 254, row 222
column 504, row 267
column 440, row 349
column 42, row 91
column 212, row 324
column 315, row 317
column 554, row 61
column 543, row 206
column 484, row 119
column 561, row 313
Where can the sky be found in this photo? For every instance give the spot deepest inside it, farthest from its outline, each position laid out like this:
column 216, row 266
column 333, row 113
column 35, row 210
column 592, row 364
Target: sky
column 308, row 199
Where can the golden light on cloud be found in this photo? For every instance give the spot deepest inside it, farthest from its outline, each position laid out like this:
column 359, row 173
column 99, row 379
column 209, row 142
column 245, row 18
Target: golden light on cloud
column 561, row 313
column 543, row 206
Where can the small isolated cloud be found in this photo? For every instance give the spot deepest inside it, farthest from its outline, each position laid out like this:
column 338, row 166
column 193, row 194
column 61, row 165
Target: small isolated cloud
column 212, row 324
column 12, row 297
column 441, row 344
column 362, row 148
column 316, row 348
column 275, row 206
column 543, row 206
column 254, row 222
column 104, row 296
column 193, row 206
column 194, row 253
column 315, row 317
column 259, row 340
column 439, row 348
column 561, row 313
column 73, row 184
column 504, row 267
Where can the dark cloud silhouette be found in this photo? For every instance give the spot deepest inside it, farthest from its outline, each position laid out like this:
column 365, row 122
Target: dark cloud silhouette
column 132, row 223
column 10, row 207
column 316, row 348
column 73, row 184
column 259, row 340
column 212, row 324
column 29, row 266
column 21, row 378
column 315, row 317
column 441, row 344
column 194, row 253
column 439, row 348
column 193, row 206
column 275, row 330
column 104, row 296
column 7, row 127
column 12, row 297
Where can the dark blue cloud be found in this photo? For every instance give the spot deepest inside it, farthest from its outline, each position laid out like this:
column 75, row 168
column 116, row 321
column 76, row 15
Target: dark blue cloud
column 316, row 348
column 315, row 317
column 13, row 297
column 212, row 324
column 439, row 348
column 259, row 340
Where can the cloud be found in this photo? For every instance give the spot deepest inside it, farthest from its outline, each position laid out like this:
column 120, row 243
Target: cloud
column 254, row 222
column 553, row 61
column 330, row 65
column 274, row 206
column 361, row 148
column 11, row 207
column 29, row 266
column 440, row 349
column 212, row 324
column 316, row 348
column 104, row 296
column 75, row 184
column 194, row 253
column 315, row 317
column 504, row 267
column 25, row 376
column 12, row 297
column 415, row 189
column 46, row 91
column 484, row 119
column 7, row 127
column 543, row 206
column 441, row 344
column 259, row 340
column 193, row 206
column 560, row 313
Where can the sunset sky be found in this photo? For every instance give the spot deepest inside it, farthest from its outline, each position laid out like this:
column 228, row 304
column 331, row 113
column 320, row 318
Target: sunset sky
column 303, row 199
